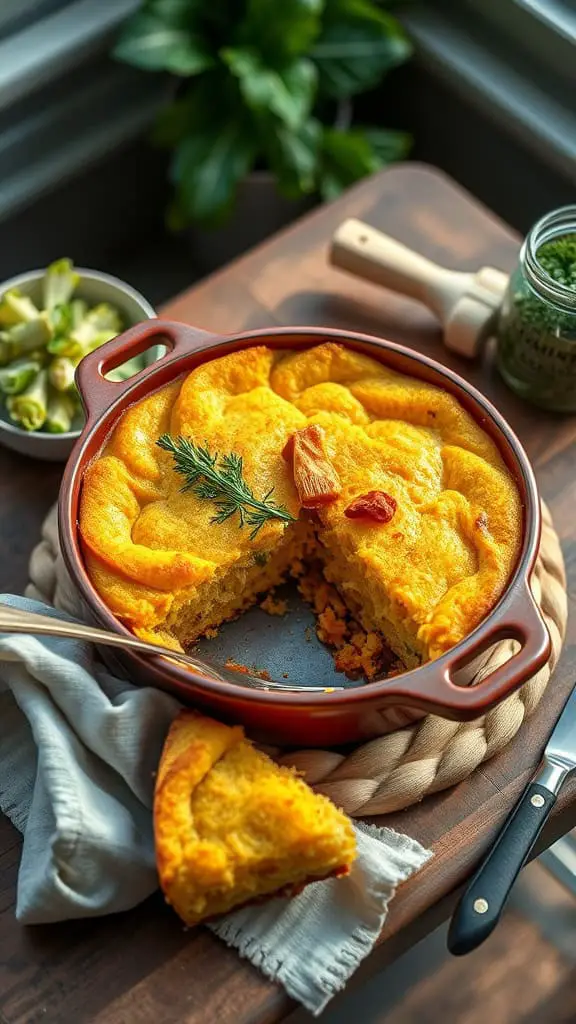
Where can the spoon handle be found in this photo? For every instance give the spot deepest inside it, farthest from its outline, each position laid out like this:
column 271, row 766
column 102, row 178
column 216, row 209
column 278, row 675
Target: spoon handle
column 13, row 620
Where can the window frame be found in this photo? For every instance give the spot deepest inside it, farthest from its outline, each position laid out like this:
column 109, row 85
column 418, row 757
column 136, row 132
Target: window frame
column 515, row 67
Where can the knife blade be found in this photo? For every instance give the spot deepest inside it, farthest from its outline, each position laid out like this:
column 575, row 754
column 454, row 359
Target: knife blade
column 483, row 901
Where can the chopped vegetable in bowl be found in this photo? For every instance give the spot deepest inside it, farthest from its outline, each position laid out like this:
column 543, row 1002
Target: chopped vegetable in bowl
column 41, row 344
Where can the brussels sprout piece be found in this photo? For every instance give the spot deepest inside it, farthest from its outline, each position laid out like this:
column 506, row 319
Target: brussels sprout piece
column 60, row 280
column 61, row 410
column 61, row 373
column 18, row 376
column 30, row 408
column 16, row 308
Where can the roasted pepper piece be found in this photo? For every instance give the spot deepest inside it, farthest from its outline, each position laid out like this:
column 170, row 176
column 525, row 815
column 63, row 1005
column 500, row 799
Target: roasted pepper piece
column 316, row 480
column 375, row 505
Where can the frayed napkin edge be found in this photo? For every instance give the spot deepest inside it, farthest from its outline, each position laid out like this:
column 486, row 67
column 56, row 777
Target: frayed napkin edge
column 335, row 975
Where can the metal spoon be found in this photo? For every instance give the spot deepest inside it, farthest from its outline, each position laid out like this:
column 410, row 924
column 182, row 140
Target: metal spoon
column 14, row 620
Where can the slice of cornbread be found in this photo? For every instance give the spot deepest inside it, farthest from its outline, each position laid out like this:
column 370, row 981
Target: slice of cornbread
column 231, row 826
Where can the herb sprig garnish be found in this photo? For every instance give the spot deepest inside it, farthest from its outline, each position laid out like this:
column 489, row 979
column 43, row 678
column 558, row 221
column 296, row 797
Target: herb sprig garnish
column 219, row 478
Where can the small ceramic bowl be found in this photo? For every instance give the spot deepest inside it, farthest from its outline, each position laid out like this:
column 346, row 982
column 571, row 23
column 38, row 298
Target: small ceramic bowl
column 94, row 287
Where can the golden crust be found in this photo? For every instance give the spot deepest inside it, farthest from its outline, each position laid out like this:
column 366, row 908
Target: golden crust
column 232, row 827
column 424, row 580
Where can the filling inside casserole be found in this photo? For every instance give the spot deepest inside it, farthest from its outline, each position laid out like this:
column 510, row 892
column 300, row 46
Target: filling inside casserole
column 381, row 481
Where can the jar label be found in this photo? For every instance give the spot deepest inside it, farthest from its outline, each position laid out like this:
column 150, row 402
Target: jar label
column 537, row 353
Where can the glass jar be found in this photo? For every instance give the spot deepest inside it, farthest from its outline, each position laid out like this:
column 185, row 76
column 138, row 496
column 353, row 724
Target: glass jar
column 536, row 325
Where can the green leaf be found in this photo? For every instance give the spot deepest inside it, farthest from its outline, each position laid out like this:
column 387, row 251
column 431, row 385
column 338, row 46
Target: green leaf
column 358, row 45
column 207, row 167
column 216, row 151
column 180, row 13
column 349, row 156
column 387, row 145
column 288, row 93
column 281, row 29
column 293, row 156
column 300, row 79
column 151, row 43
column 346, row 157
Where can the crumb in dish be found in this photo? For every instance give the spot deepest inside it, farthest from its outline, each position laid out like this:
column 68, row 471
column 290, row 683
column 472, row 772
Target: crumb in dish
column 357, row 653
column 245, row 670
column 273, row 605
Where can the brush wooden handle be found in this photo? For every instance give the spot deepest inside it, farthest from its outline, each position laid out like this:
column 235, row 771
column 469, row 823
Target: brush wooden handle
column 368, row 253
column 464, row 303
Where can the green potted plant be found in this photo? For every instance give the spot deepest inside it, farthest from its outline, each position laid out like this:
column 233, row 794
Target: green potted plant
column 260, row 120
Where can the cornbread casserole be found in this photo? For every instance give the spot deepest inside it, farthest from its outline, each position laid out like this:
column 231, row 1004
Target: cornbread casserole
column 232, row 827
column 418, row 527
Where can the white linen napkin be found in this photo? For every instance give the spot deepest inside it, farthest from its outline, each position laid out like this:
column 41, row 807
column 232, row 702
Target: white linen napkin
column 78, row 752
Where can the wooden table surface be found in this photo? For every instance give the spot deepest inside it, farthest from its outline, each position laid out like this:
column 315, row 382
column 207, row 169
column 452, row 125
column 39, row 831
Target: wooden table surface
column 141, row 967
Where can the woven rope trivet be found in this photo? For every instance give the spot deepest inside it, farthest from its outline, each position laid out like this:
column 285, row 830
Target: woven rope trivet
column 399, row 769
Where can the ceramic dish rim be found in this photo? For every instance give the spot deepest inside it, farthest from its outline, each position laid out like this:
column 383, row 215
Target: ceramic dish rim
column 213, row 346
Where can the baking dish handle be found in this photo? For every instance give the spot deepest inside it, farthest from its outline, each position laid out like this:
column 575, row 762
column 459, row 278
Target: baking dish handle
column 98, row 393
column 518, row 619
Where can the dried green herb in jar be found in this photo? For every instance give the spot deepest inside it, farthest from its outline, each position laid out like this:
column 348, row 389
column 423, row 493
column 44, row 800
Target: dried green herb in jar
column 559, row 260
column 536, row 327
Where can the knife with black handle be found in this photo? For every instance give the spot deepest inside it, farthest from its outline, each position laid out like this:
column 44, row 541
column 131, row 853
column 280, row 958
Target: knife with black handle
column 481, row 906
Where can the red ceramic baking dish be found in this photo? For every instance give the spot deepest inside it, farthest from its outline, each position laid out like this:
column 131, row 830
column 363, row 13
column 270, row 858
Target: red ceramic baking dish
column 311, row 718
